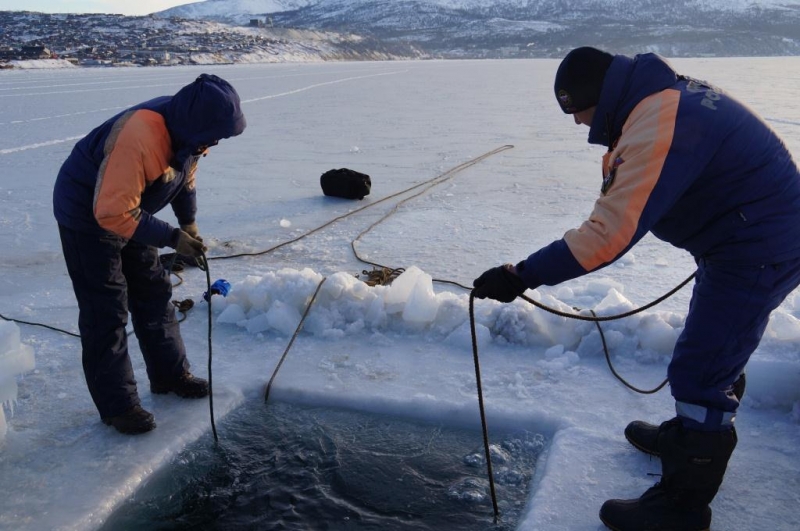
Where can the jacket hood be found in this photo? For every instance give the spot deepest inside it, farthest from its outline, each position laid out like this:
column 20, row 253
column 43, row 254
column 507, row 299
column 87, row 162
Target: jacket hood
column 201, row 114
column 628, row 81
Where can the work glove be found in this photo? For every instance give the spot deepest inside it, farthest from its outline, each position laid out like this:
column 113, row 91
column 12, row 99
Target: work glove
column 189, row 246
column 500, row 283
column 191, row 230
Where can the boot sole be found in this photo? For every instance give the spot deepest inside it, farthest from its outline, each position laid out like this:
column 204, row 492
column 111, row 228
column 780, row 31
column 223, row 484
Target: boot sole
column 130, row 431
column 612, row 528
column 182, row 395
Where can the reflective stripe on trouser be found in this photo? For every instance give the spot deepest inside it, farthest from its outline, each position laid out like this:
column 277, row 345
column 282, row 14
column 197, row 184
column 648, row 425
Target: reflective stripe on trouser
column 728, row 314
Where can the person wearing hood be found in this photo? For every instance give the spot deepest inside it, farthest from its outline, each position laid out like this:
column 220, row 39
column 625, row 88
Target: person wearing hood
column 698, row 169
column 104, row 200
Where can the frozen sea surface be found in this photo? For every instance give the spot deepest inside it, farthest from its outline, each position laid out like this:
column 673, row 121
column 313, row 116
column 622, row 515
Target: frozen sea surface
column 363, row 350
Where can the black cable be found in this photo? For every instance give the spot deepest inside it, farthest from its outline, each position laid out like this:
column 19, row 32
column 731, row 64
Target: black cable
column 596, row 319
column 20, row 321
column 480, row 404
column 614, row 372
column 168, row 268
column 210, row 381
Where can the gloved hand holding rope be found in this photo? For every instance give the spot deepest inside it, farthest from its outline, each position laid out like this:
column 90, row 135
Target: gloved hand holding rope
column 500, row 283
column 188, row 245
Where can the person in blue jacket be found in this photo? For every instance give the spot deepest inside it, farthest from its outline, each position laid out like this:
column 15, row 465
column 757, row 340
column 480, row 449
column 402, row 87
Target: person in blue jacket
column 105, row 197
column 698, row 169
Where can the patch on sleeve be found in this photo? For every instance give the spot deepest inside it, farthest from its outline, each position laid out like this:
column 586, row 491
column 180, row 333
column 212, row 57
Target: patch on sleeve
column 609, row 177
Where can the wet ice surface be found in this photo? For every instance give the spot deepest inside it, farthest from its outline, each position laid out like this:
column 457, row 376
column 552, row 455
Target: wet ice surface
column 282, row 466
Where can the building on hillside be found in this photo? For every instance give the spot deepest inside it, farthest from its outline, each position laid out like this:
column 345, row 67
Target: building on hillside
column 35, row 52
column 8, row 53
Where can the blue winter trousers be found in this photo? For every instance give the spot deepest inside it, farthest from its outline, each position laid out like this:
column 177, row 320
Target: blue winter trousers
column 728, row 315
column 112, row 276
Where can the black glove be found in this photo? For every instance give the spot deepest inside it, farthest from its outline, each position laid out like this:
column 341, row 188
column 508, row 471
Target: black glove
column 499, row 283
column 188, row 246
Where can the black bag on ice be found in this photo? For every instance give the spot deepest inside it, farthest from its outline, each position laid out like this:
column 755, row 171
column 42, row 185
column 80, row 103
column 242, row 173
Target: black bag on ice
column 345, row 183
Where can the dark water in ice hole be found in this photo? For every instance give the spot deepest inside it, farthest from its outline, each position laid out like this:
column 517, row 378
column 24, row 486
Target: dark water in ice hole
column 282, row 466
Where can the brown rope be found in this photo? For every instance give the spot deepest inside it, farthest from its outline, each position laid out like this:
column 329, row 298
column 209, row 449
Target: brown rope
column 381, row 277
column 429, row 183
column 294, row 336
column 183, row 307
column 446, row 176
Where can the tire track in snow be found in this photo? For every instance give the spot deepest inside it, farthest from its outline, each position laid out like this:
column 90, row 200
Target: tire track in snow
column 68, row 115
column 782, row 121
column 178, row 77
column 120, row 107
column 175, row 83
column 48, row 143
column 38, row 85
column 303, row 89
column 104, row 89
column 39, row 145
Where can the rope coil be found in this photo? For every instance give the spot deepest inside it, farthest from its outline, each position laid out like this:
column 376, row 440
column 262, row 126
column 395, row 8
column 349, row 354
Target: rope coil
column 381, row 276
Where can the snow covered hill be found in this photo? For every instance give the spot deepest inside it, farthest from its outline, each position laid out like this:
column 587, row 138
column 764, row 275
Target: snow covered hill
column 220, row 8
column 531, row 28
column 98, row 39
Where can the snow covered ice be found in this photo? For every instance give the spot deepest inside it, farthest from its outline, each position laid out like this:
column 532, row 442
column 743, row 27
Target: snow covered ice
column 400, row 349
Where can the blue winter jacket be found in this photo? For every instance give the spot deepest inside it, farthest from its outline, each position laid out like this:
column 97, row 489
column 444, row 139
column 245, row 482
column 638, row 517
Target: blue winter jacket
column 143, row 159
column 687, row 162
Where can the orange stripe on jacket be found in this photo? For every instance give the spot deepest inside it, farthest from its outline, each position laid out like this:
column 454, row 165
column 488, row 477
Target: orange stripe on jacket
column 137, row 152
column 643, row 146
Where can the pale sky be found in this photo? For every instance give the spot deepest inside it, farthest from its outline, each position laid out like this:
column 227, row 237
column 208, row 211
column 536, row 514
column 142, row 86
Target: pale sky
column 124, row 7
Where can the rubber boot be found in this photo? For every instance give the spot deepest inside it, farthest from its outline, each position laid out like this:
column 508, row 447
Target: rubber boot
column 693, row 464
column 644, row 436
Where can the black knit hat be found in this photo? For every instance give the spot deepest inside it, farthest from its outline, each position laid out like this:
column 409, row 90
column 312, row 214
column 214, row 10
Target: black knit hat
column 579, row 79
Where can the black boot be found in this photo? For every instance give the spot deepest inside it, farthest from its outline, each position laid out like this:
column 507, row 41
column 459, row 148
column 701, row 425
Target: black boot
column 186, row 386
column 693, row 465
column 134, row 421
column 643, row 435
